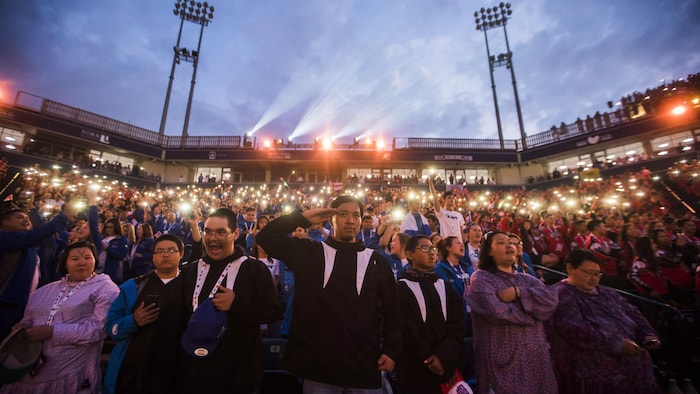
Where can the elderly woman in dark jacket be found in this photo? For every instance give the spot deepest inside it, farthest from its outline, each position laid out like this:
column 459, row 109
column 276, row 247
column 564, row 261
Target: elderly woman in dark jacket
column 600, row 343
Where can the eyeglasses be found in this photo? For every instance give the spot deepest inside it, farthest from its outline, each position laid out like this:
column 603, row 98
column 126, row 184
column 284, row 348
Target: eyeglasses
column 427, row 249
column 218, row 234
column 166, row 251
column 592, row 274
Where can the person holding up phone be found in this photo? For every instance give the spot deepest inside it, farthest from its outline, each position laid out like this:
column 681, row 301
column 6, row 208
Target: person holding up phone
column 132, row 317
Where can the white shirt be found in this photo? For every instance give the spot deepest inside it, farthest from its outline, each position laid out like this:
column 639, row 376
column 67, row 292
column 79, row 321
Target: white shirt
column 451, row 223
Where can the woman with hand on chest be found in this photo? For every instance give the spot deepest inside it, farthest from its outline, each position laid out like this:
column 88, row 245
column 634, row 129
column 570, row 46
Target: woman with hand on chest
column 68, row 318
column 508, row 311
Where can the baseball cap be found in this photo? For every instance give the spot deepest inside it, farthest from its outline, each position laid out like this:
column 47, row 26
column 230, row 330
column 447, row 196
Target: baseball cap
column 204, row 331
column 17, row 356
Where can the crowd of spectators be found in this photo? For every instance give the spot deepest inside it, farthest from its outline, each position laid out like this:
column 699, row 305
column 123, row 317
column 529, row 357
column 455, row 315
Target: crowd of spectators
column 47, row 189
column 590, row 215
column 82, row 161
column 632, row 106
column 653, row 97
column 413, row 179
column 687, row 176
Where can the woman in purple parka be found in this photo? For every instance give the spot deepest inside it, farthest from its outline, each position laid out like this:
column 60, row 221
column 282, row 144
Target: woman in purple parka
column 600, row 343
column 68, row 318
column 508, row 313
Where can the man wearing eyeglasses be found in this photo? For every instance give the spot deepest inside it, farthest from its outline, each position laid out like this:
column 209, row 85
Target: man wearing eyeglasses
column 227, row 285
column 345, row 302
column 132, row 317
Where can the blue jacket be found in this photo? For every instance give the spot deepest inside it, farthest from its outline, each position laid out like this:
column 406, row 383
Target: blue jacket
column 286, row 296
column 121, row 327
column 158, row 224
column 117, row 258
column 18, row 257
column 47, row 249
column 369, row 237
column 117, row 250
column 245, row 238
column 395, row 262
column 530, row 267
column 144, row 264
column 173, row 229
column 446, row 273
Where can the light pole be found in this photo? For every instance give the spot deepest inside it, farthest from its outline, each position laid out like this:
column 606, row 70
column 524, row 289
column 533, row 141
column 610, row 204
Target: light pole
column 490, row 18
column 202, row 14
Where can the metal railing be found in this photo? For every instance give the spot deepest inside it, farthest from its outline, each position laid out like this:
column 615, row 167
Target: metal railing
column 410, row 143
column 127, row 130
column 579, row 127
column 563, row 132
column 86, row 118
column 195, row 142
column 621, row 292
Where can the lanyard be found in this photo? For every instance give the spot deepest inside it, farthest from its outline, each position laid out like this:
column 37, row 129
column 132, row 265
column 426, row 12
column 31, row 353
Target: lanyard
column 362, row 233
column 461, row 274
column 203, row 270
column 60, row 300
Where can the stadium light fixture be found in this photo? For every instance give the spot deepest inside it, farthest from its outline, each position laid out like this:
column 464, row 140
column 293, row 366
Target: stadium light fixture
column 201, row 14
column 491, row 18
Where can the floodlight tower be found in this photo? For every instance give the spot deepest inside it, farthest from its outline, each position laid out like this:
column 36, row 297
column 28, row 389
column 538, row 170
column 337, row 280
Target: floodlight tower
column 490, row 18
column 201, row 14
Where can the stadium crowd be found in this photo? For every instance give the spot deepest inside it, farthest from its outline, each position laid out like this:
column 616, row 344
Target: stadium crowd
column 496, row 252
column 686, row 175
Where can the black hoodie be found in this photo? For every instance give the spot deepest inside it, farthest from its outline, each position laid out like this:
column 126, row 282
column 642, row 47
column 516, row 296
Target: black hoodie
column 336, row 334
column 236, row 364
column 434, row 334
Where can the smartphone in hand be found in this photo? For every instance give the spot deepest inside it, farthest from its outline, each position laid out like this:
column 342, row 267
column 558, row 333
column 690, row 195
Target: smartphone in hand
column 151, row 299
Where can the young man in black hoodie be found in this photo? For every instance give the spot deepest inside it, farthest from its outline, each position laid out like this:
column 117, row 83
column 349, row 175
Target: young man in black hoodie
column 243, row 290
column 346, row 326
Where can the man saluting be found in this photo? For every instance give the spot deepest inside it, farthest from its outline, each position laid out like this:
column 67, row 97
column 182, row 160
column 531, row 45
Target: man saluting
column 345, row 301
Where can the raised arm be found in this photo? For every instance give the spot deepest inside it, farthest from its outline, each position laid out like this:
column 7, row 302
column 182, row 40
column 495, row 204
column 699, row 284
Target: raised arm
column 433, row 194
column 93, row 219
column 274, row 238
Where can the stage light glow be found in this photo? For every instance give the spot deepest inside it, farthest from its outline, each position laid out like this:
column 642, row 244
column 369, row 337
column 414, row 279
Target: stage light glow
column 326, row 144
column 679, row 110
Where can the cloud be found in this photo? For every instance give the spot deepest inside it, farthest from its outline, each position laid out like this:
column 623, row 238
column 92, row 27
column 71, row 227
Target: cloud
column 371, row 67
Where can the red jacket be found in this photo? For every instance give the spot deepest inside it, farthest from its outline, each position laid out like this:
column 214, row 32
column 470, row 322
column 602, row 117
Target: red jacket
column 556, row 243
column 597, row 245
